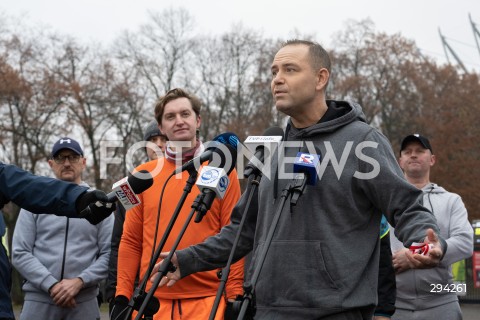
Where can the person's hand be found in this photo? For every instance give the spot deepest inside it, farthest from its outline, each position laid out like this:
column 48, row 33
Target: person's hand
column 93, row 206
column 63, row 293
column 120, row 308
column 432, row 259
column 380, row 318
column 172, row 277
column 233, row 308
column 400, row 261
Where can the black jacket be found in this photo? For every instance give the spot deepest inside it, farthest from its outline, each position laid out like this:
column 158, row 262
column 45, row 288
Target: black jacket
column 111, row 284
column 386, row 280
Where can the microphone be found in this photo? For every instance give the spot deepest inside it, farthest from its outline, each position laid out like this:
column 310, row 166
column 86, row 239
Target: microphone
column 227, row 138
column 272, row 137
column 213, row 181
column 126, row 190
column 307, row 164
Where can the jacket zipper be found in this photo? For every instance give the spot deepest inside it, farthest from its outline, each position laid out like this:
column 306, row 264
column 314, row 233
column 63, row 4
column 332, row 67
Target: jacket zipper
column 64, row 249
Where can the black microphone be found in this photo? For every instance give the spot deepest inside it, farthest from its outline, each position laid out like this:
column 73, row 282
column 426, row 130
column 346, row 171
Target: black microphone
column 213, row 179
column 272, row 136
column 126, row 190
column 227, row 138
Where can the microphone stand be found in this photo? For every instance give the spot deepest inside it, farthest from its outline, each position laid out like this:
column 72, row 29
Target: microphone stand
column 226, row 270
column 293, row 190
column 139, row 293
column 166, row 266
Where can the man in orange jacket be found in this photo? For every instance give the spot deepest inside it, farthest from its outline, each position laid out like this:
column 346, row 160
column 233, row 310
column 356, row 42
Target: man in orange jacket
column 178, row 115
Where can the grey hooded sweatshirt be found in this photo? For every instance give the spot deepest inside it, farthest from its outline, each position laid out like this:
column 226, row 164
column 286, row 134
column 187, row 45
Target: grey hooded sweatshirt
column 418, row 289
column 47, row 248
column 324, row 256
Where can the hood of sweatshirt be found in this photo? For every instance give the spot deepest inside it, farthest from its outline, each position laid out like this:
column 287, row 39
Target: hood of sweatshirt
column 339, row 114
column 433, row 188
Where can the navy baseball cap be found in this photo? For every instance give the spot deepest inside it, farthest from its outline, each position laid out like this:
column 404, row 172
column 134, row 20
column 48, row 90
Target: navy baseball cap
column 66, row 143
column 418, row 138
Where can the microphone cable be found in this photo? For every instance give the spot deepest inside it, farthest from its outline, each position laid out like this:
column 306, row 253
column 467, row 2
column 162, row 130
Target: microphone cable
column 157, row 224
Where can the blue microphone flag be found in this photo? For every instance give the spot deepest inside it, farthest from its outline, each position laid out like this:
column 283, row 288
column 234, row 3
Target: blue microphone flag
column 307, row 163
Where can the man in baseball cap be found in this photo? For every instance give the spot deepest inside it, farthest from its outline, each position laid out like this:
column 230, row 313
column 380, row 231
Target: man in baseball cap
column 66, row 143
column 67, row 149
column 416, row 137
column 74, row 246
column 415, row 297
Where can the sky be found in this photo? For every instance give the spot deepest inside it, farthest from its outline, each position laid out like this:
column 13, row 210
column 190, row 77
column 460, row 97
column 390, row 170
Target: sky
column 418, row 20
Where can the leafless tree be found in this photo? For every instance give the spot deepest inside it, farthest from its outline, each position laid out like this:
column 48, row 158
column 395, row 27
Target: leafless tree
column 374, row 69
column 160, row 49
column 229, row 67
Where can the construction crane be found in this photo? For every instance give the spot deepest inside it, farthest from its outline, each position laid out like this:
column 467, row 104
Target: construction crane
column 448, row 49
column 476, row 33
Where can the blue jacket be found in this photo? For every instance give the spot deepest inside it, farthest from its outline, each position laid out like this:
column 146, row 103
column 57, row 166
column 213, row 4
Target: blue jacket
column 38, row 194
column 6, row 310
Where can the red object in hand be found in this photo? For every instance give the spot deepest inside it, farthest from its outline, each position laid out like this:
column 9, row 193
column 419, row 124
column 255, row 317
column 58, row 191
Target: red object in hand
column 420, row 248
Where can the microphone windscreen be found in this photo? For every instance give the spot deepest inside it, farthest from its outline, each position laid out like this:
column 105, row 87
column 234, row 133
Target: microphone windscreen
column 140, row 181
column 227, row 138
column 225, row 157
column 273, row 131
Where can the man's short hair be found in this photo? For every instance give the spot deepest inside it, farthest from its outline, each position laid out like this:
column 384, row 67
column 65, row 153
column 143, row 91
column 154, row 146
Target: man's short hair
column 172, row 95
column 318, row 55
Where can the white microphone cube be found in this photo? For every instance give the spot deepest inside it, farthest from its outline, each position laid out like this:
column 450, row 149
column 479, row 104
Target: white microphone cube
column 213, row 178
column 269, row 142
column 125, row 194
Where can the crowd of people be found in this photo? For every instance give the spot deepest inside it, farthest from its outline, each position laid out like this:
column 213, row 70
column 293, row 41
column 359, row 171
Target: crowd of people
column 325, row 258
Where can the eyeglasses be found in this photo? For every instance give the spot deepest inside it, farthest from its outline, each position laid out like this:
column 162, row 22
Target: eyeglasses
column 73, row 158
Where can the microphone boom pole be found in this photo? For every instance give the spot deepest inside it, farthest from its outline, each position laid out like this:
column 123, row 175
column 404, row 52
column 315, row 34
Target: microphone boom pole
column 201, row 204
column 139, row 292
column 255, row 181
column 273, row 135
column 295, row 187
column 305, row 167
column 167, row 266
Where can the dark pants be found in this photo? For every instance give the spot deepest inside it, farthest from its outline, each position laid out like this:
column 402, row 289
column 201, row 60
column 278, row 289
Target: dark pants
column 6, row 311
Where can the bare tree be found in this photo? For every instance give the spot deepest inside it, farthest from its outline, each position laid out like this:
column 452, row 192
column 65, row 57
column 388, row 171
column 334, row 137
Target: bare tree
column 87, row 76
column 374, row 69
column 450, row 115
column 160, row 49
column 228, row 68
column 29, row 106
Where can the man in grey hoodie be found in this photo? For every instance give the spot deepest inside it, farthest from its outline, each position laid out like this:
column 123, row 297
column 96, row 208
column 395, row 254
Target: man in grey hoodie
column 62, row 259
column 431, row 294
column 324, row 257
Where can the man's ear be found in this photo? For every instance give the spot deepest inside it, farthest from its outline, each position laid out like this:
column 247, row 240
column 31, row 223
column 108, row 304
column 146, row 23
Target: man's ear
column 322, row 78
column 199, row 121
column 433, row 160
